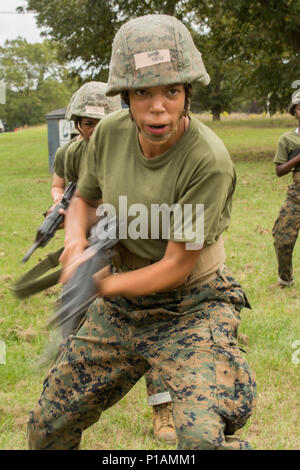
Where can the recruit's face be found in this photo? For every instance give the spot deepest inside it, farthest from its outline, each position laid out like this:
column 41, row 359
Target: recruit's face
column 86, row 126
column 157, row 112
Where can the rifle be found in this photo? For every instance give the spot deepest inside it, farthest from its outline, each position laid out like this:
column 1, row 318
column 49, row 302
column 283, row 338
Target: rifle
column 51, row 223
column 80, row 291
column 293, row 155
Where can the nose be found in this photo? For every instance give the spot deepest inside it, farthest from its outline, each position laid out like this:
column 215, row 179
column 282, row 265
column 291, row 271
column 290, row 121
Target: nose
column 157, row 103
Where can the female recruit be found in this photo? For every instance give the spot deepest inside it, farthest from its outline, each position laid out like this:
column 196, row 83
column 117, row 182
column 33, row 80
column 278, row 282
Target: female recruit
column 171, row 304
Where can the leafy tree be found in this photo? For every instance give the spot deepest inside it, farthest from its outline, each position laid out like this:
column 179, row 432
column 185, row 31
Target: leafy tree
column 263, row 36
column 221, row 94
column 85, row 28
column 36, row 82
column 224, row 92
column 271, row 26
column 25, row 65
column 260, row 39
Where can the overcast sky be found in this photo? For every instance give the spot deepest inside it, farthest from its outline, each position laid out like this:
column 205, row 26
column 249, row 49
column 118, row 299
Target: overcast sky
column 14, row 25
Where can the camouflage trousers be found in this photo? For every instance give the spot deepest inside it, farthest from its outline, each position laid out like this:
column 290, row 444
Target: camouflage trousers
column 156, row 390
column 187, row 337
column 285, row 233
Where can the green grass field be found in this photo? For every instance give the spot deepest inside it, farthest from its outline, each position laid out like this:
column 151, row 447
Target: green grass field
column 267, row 332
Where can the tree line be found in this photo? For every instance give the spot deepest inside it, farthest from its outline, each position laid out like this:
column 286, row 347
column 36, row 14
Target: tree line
column 36, row 82
column 251, row 51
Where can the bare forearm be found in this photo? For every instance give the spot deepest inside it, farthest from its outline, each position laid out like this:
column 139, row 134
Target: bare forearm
column 85, row 214
column 144, row 281
column 284, row 168
column 164, row 275
column 58, row 188
column 167, row 274
column 57, row 194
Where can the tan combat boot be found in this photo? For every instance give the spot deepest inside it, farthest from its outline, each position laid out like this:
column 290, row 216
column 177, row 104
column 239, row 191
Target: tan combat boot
column 163, row 424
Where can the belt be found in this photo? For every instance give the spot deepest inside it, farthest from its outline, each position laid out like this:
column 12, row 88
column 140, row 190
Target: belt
column 209, row 261
column 125, row 259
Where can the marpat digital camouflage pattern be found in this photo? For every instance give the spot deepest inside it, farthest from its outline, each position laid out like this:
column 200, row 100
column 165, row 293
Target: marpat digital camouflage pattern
column 188, row 338
column 154, row 50
column 91, row 101
column 285, row 233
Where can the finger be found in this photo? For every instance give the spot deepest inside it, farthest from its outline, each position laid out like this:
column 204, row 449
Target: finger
column 73, row 264
column 63, row 259
column 69, row 256
column 104, row 272
column 52, row 208
column 49, row 210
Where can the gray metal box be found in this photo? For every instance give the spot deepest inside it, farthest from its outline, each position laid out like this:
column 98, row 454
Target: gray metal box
column 59, row 132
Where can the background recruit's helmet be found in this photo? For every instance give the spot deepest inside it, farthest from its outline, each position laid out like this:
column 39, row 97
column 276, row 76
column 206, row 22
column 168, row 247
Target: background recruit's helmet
column 154, row 50
column 294, row 100
column 91, row 101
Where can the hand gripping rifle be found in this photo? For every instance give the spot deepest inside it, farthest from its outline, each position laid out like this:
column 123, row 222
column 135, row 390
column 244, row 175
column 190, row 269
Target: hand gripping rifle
column 51, row 223
column 81, row 290
column 293, row 155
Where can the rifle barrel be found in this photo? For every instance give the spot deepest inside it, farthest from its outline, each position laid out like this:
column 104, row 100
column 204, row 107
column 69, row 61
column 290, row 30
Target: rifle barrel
column 30, row 251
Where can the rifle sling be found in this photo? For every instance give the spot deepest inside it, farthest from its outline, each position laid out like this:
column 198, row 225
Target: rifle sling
column 32, row 282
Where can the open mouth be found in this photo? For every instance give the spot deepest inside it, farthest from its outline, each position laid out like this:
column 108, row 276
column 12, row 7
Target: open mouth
column 154, row 129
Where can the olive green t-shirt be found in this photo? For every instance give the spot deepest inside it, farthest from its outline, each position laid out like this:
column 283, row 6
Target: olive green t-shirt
column 288, row 142
column 196, row 170
column 59, row 159
column 74, row 159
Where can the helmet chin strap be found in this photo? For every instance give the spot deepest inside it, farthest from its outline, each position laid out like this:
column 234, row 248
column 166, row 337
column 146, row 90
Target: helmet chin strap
column 77, row 126
column 183, row 115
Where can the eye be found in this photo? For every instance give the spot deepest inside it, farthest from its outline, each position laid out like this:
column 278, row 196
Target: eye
column 141, row 92
column 173, row 91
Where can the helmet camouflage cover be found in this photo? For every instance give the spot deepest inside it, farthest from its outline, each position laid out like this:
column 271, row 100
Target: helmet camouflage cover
column 91, row 101
column 68, row 110
column 154, row 50
column 295, row 100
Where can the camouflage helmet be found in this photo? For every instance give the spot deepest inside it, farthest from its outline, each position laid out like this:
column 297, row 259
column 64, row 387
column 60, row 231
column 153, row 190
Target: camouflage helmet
column 294, row 100
column 154, row 50
column 68, row 109
column 91, row 101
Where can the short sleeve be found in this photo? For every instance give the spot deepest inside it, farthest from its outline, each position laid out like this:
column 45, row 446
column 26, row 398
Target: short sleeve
column 73, row 160
column 281, row 155
column 205, row 208
column 88, row 185
column 59, row 161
